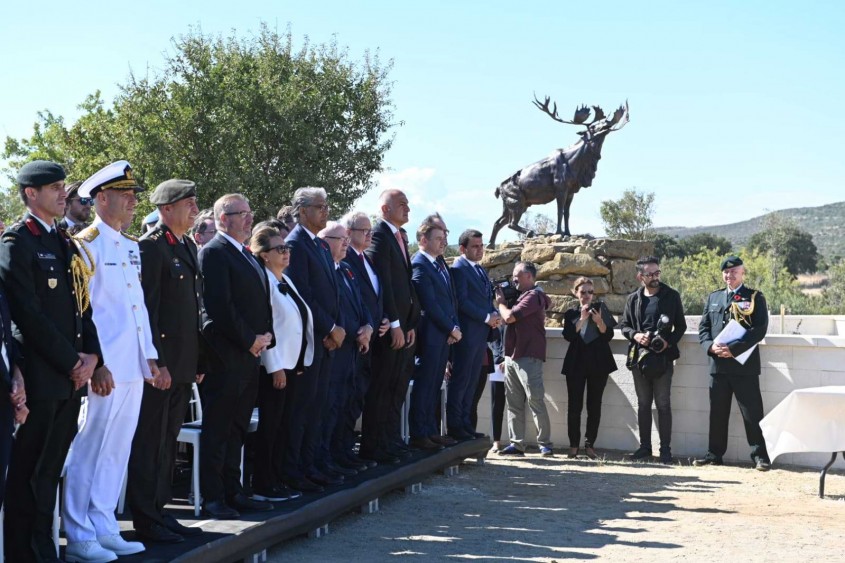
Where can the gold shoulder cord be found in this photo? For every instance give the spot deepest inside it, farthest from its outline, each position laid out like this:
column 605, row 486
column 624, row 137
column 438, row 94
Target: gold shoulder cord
column 744, row 316
column 82, row 275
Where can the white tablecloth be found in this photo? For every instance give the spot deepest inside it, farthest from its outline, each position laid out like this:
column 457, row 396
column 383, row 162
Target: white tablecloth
column 807, row 420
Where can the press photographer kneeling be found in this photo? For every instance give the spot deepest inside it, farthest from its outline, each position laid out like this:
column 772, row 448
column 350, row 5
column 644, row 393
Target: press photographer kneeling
column 653, row 323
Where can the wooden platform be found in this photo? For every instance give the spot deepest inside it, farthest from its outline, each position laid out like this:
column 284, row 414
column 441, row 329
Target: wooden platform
column 246, row 538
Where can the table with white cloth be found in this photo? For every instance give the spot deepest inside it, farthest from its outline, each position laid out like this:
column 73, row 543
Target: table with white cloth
column 808, row 420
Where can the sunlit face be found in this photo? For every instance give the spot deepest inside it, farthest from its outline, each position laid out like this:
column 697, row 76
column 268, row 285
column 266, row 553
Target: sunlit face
column 475, row 249
column 650, row 276
column 733, row 276
column 79, row 208
column 237, row 220
column 338, row 242
column 206, row 232
column 47, row 201
column 278, row 257
column 522, row 278
column 315, row 215
column 434, row 243
column 397, row 210
column 361, row 234
column 585, row 293
column 181, row 214
column 117, row 204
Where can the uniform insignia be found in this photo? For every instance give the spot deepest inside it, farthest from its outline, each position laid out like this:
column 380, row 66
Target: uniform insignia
column 177, row 263
column 33, row 228
column 171, row 239
column 52, row 283
column 134, row 259
column 89, row 234
column 130, row 237
column 46, row 256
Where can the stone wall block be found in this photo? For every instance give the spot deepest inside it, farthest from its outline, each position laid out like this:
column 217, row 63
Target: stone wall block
column 623, row 275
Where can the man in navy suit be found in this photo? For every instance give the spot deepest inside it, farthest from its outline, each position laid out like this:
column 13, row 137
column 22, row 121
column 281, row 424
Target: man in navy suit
column 392, row 353
column 11, row 383
column 476, row 315
column 438, row 328
column 360, row 232
column 359, row 329
column 312, row 271
column 238, row 322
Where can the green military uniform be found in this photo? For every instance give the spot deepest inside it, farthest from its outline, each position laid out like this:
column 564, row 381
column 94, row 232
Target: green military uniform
column 728, row 376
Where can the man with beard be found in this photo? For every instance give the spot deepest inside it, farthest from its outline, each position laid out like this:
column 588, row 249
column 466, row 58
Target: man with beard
column 77, row 210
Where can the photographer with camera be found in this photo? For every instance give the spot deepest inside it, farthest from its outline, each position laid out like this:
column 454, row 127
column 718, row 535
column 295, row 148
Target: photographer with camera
column 653, row 323
column 588, row 327
column 525, row 353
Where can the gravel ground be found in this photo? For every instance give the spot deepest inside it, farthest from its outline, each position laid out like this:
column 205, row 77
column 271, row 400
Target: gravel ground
column 541, row 509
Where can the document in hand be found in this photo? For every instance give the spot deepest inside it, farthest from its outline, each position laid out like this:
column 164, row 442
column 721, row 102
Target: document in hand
column 732, row 332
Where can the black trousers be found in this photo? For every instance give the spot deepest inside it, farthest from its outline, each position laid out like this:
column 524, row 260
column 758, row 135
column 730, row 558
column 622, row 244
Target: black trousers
column 498, row 408
column 478, row 391
column 38, row 455
column 229, row 400
column 270, row 436
column 307, row 395
column 747, row 391
column 7, row 427
column 153, row 457
column 594, row 383
column 392, row 371
column 361, row 378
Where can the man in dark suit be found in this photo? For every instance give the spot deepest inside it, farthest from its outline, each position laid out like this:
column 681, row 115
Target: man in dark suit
column 172, row 286
column 438, row 329
column 312, row 271
column 728, row 376
column 53, row 325
column 477, row 316
column 359, row 330
column 238, row 324
column 13, row 407
column 393, row 353
column 360, row 231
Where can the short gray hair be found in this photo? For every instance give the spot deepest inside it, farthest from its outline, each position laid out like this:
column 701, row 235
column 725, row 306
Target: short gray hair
column 330, row 226
column 303, row 197
column 351, row 218
column 224, row 204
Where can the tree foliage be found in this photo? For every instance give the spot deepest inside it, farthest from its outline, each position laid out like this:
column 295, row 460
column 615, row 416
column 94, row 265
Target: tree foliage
column 629, row 217
column 538, row 222
column 252, row 115
column 787, row 244
column 666, row 246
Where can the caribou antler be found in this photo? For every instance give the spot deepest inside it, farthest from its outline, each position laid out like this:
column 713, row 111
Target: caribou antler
column 620, row 116
column 581, row 114
column 599, row 114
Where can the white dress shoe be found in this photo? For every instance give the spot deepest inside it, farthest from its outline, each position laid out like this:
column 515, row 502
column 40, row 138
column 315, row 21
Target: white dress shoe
column 120, row 546
column 88, row 552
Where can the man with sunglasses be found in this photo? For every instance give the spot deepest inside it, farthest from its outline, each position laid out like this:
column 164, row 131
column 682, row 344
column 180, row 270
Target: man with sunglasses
column 643, row 311
column 77, row 210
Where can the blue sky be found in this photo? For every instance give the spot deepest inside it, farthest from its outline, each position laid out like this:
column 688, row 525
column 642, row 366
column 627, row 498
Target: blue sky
column 735, row 106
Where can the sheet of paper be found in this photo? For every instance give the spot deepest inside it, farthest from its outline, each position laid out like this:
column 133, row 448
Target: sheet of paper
column 732, row 332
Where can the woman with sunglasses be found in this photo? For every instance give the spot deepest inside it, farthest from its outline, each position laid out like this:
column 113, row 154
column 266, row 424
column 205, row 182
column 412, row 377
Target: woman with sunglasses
column 588, row 327
column 294, row 350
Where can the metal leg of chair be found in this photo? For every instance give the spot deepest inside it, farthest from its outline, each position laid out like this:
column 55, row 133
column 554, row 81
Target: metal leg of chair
column 195, row 479
column 824, row 472
column 56, row 522
column 444, row 394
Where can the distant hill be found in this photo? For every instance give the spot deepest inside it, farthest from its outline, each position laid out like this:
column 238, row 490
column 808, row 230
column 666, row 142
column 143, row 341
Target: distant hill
column 826, row 223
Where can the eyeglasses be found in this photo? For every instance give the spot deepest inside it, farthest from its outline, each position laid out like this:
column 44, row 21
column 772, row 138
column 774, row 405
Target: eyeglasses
column 84, row 200
column 367, row 232
column 342, row 239
column 320, row 207
column 241, row 214
column 281, row 249
column 585, row 292
column 654, row 274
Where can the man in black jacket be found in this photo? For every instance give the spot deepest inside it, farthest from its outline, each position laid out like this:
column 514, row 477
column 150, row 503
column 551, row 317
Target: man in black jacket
column 643, row 311
column 172, row 293
column 53, row 325
column 728, row 375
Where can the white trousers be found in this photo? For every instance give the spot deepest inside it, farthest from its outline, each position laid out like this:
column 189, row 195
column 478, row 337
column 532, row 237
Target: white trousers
column 97, row 463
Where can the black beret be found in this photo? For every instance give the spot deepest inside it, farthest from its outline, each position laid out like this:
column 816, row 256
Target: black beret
column 40, row 173
column 731, row 262
column 173, row 190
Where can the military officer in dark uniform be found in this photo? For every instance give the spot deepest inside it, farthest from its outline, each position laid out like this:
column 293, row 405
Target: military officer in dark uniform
column 172, row 286
column 46, row 286
column 729, row 376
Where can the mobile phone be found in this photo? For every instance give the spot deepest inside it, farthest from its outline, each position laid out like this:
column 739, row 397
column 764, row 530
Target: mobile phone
column 595, row 305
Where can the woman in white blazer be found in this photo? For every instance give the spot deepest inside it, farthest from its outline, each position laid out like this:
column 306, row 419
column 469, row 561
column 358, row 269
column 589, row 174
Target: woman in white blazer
column 294, row 350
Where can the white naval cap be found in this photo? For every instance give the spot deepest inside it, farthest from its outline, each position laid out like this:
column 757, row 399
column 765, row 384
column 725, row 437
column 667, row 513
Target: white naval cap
column 115, row 176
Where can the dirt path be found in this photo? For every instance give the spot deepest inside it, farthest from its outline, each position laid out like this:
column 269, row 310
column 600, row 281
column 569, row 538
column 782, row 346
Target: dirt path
column 546, row 510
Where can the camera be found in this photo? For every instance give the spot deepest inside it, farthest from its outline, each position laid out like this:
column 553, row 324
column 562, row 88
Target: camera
column 510, row 293
column 656, row 342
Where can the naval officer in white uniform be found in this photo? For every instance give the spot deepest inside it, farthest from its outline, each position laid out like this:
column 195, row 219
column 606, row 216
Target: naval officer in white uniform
column 100, row 452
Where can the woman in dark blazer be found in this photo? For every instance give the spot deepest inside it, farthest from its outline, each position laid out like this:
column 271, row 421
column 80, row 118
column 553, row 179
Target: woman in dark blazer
column 588, row 328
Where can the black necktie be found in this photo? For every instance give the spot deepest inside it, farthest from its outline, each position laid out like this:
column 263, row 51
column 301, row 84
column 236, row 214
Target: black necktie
column 442, row 271
column 254, row 263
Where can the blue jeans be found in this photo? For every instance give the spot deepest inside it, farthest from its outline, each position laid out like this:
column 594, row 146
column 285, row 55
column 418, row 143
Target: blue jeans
column 659, row 392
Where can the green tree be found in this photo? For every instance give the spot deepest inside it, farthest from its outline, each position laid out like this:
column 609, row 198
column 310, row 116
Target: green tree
column 539, row 223
column 788, row 245
column 666, row 246
column 695, row 243
column 630, row 217
column 253, row 115
column 833, row 296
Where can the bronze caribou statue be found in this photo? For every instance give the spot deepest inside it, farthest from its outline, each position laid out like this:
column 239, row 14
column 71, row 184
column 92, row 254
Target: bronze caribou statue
column 560, row 175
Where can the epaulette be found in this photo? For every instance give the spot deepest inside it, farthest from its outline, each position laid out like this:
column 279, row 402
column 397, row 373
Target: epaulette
column 130, row 237
column 88, row 234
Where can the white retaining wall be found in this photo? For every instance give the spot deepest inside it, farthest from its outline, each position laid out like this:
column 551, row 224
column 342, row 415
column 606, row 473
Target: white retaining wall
column 788, row 361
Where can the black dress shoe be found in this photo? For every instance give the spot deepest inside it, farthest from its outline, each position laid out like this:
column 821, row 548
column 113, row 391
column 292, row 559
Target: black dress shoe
column 177, row 527
column 459, row 435
column 324, row 480
column 242, row 502
column 708, row 459
column 350, row 464
column 304, row 484
column 443, row 440
column 424, row 443
column 761, row 464
column 339, row 470
column 396, row 451
column 158, row 534
column 220, row 510
column 291, row 493
column 358, row 459
column 381, row 457
column 477, row 435
column 269, row 494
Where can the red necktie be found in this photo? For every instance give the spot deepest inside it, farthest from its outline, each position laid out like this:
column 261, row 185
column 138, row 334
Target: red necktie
column 401, row 242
